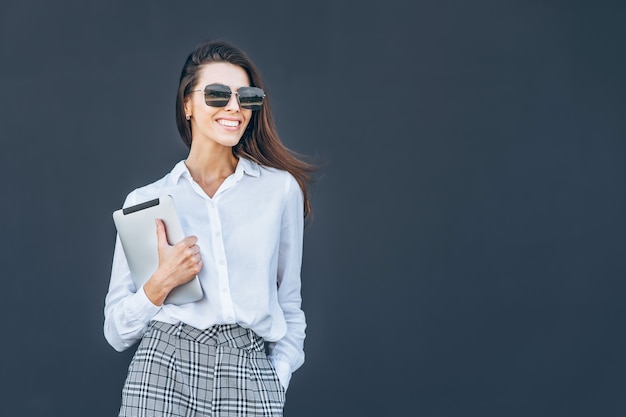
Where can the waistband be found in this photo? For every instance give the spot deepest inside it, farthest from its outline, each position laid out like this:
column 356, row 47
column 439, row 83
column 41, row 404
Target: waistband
column 232, row 335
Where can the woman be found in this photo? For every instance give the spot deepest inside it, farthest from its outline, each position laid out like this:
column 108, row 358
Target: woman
column 242, row 199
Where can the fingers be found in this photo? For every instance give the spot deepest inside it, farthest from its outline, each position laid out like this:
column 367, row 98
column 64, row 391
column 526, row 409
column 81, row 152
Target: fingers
column 193, row 254
column 188, row 246
column 183, row 257
column 189, row 241
column 161, row 235
column 189, row 250
column 193, row 261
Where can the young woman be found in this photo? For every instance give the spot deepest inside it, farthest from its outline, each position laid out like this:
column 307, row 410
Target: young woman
column 242, row 199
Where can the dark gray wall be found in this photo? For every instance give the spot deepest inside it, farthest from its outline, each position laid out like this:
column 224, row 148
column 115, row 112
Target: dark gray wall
column 467, row 252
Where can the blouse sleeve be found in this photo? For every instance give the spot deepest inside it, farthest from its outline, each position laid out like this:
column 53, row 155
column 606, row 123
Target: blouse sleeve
column 287, row 354
column 127, row 311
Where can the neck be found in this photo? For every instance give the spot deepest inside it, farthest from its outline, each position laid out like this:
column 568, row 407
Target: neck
column 207, row 165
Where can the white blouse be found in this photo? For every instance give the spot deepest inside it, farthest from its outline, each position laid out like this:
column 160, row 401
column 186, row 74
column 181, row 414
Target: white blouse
column 250, row 236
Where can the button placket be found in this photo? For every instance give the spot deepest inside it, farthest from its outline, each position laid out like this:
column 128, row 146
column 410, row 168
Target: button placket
column 219, row 254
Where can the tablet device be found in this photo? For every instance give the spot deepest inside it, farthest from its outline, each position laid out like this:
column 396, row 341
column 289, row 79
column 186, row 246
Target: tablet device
column 136, row 228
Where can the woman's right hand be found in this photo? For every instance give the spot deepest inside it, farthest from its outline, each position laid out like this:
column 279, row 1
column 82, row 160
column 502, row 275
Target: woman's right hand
column 178, row 264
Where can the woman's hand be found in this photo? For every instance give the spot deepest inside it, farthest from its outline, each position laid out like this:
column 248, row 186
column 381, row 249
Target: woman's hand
column 178, row 264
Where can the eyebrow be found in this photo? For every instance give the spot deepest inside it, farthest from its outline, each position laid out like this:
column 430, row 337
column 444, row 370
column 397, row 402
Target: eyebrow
column 226, row 85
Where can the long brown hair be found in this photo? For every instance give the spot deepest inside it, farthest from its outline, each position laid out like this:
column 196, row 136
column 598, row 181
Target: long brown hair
column 260, row 141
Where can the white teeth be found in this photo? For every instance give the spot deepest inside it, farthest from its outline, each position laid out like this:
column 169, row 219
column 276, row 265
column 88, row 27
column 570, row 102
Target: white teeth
column 230, row 123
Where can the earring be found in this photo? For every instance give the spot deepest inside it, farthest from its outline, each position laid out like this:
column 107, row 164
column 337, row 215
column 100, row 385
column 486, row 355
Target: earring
column 187, row 116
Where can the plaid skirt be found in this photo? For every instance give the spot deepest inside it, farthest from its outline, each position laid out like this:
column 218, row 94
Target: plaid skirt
column 179, row 370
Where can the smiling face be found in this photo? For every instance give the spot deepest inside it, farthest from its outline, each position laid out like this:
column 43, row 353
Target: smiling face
column 220, row 125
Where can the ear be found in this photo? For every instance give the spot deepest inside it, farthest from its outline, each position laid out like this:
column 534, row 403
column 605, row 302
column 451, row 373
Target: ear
column 188, row 106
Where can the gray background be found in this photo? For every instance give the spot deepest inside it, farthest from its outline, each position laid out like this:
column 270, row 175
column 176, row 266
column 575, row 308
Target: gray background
column 466, row 257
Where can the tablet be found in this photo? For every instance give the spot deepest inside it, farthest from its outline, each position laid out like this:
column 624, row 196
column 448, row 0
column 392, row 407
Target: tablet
column 136, row 228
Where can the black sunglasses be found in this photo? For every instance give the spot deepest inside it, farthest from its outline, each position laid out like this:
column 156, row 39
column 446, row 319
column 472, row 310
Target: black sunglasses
column 218, row 95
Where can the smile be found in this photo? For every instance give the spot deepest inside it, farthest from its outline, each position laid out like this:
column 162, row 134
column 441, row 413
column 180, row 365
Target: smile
column 229, row 123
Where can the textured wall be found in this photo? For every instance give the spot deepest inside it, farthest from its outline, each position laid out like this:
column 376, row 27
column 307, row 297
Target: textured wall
column 467, row 252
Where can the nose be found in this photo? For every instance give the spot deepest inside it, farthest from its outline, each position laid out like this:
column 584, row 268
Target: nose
column 233, row 103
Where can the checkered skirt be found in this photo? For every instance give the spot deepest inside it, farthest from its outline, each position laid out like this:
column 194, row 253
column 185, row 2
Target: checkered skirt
column 179, row 370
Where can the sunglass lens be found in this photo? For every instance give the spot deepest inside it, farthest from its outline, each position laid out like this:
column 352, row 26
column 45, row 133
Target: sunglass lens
column 251, row 98
column 216, row 95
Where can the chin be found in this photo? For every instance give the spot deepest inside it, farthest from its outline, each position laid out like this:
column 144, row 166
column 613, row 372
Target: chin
column 232, row 141
column 224, row 140
column 229, row 143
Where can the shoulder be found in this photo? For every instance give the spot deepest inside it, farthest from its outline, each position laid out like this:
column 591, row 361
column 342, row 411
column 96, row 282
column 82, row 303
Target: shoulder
column 281, row 179
column 152, row 190
column 273, row 173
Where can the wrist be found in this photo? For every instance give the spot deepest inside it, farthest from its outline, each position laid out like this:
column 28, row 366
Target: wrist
column 156, row 288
